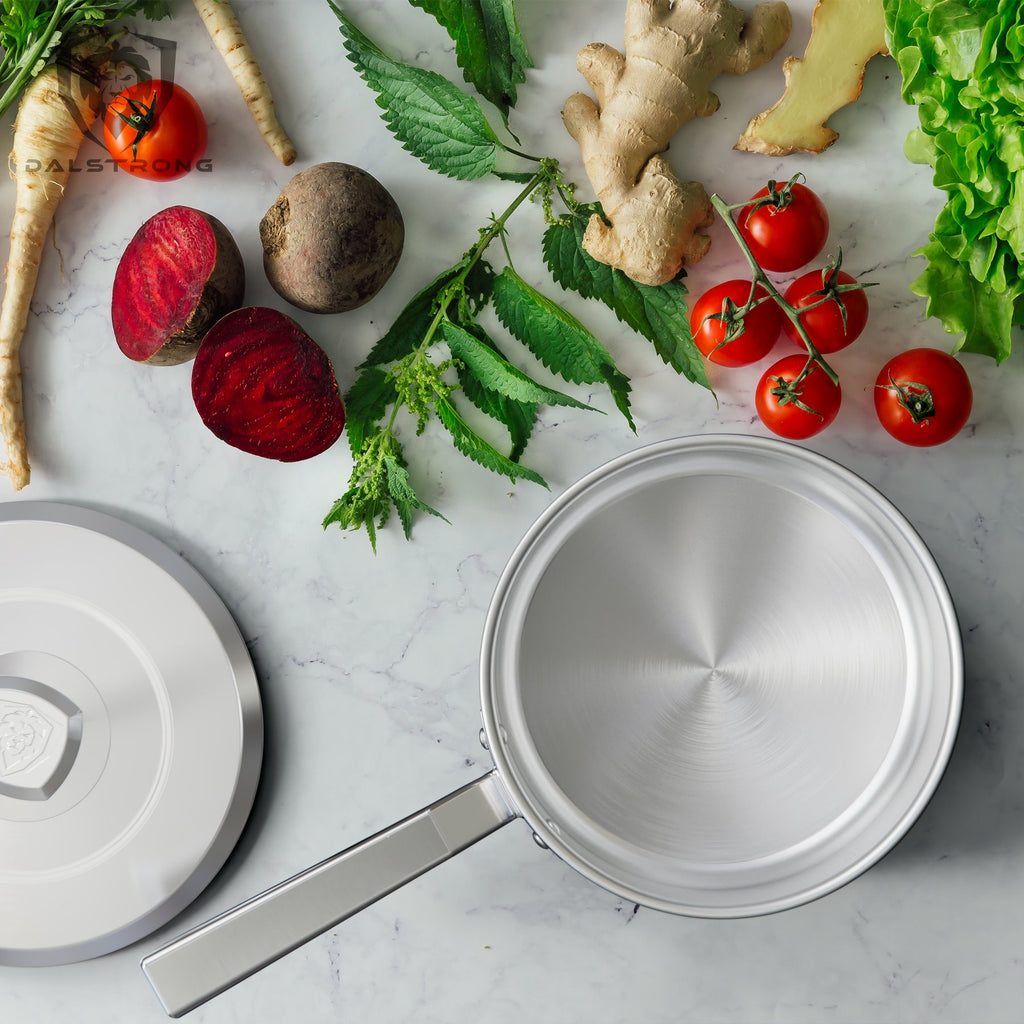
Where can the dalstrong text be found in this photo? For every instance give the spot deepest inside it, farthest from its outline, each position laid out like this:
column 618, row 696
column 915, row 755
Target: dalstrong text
column 96, row 163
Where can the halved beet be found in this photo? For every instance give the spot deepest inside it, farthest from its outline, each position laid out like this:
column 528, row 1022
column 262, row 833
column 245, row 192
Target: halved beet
column 263, row 385
column 178, row 276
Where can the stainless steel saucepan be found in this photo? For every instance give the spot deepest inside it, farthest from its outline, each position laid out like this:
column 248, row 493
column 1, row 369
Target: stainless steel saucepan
column 720, row 676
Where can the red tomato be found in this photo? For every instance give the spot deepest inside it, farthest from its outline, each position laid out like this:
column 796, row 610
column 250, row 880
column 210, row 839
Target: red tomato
column 801, row 409
column 825, row 323
column 923, row 397
column 155, row 130
column 726, row 340
column 785, row 226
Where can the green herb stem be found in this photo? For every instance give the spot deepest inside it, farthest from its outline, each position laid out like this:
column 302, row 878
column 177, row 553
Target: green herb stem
column 760, row 277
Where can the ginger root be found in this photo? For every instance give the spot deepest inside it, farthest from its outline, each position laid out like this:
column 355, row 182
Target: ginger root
column 845, row 35
column 673, row 52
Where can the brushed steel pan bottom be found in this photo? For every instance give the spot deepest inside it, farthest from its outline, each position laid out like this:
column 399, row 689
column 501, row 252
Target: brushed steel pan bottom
column 725, row 676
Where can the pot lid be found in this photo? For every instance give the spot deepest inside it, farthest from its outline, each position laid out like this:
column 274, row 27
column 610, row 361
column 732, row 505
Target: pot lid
column 131, row 733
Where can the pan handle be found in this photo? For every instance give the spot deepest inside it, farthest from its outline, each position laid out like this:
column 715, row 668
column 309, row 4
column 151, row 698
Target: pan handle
column 211, row 958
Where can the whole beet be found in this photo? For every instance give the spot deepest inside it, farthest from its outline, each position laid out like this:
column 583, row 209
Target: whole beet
column 332, row 238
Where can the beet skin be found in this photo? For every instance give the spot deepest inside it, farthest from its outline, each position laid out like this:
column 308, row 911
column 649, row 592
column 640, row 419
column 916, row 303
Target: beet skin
column 261, row 384
column 180, row 274
column 332, row 238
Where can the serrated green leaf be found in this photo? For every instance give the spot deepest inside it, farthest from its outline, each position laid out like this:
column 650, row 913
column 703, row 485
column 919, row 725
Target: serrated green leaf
column 352, row 512
column 472, row 445
column 557, row 338
column 488, row 45
column 432, row 118
column 660, row 314
column 496, row 373
column 518, row 418
column 366, row 402
column 412, row 323
column 403, row 497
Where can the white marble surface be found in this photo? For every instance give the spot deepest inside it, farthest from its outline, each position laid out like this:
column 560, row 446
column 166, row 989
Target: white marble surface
column 368, row 665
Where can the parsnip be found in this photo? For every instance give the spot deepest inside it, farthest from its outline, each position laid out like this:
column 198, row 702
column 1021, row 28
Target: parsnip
column 53, row 116
column 845, row 35
column 227, row 35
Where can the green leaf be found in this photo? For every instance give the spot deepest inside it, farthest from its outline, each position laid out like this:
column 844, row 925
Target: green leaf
column 432, row 118
column 557, row 338
column 496, row 373
column 354, row 510
column 403, row 496
column 410, row 327
column 488, row 45
column 960, row 64
column 518, row 418
column 472, row 445
column 411, row 324
column 965, row 305
column 366, row 402
column 660, row 314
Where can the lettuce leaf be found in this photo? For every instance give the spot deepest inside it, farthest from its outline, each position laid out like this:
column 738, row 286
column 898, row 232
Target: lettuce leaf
column 960, row 66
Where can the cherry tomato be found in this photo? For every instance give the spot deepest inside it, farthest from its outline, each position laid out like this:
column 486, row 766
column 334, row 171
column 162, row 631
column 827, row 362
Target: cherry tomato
column 825, row 323
column 723, row 338
column 923, row 397
column 155, row 130
column 796, row 407
column 785, row 226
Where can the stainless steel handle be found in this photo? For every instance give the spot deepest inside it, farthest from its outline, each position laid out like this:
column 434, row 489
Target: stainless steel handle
column 204, row 962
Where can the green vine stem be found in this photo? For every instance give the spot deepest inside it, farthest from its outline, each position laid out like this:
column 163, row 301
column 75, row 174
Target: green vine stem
column 454, row 288
column 761, row 278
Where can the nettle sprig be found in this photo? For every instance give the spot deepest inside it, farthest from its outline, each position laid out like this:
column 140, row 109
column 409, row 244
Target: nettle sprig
column 437, row 354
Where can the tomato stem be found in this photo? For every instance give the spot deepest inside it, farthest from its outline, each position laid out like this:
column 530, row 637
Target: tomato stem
column 140, row 120
column 760, row 277
column 916, row 398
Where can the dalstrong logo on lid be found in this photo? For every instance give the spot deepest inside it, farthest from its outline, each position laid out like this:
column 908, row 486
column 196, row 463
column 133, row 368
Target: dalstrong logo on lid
column 24, row 734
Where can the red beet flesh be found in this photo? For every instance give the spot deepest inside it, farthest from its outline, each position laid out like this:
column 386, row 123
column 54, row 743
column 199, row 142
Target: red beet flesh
column 261, row 384
column 180, row 273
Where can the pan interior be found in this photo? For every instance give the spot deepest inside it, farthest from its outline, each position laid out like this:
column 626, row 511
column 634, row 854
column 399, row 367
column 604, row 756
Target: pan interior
column 723, row 680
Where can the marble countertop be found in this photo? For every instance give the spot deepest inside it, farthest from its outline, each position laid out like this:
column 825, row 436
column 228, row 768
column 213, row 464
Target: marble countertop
column 368, row 664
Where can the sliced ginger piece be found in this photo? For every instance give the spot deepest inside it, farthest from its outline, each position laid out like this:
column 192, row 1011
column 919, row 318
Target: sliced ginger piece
column 845, row 35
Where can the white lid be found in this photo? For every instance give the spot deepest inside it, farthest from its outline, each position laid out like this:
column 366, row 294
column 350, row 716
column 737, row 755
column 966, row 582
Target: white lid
column 131, row 733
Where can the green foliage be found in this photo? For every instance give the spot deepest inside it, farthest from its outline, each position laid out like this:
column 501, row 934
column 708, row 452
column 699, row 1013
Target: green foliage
column 654, row 312
column 960, row 65
column 432, row 118
column 557, row 338
column 33, row 31
column 488, row 45
column 402, row 377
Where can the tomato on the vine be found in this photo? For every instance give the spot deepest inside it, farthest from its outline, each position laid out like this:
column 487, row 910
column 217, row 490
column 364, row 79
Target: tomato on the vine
column 839, row 319
column 795, row 404
column 923, row 397
column 727, row 338
column 785, row 226
column 155, row 130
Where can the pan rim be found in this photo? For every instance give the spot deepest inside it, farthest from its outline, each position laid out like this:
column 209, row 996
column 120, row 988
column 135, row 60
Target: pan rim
column 545, row 537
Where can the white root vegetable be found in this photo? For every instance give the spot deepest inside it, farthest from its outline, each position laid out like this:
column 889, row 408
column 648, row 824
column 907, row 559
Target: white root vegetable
column 54, row 114
column 227, row 35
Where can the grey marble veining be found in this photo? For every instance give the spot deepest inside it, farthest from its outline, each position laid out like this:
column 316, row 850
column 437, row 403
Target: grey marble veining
column 368, row 665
